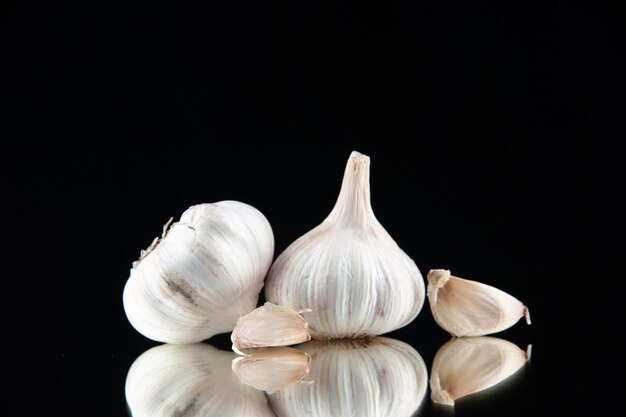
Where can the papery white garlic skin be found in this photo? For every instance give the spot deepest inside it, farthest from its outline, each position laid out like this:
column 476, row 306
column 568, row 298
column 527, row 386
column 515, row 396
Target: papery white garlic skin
column 192, row 381
column 359, row 377
column 470, row 308
column 465, row 366
column 348, row 270
column 269, row 325
column 205, row 273
column 272, row 369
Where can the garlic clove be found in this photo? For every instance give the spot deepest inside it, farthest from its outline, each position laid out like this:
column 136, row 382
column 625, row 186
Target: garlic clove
column 348, row 270
column 272, row 369
column 269, row 325
column 469, row 308
column 204, row 273
column 465, row 366
column 190, row 380
column 356, row 377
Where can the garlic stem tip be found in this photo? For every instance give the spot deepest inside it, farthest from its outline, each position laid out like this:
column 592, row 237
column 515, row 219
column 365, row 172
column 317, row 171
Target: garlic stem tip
column 529, row 351
column 356, row 155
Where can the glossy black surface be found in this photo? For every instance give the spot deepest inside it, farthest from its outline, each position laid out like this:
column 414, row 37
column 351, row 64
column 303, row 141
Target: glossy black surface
column 122, row 115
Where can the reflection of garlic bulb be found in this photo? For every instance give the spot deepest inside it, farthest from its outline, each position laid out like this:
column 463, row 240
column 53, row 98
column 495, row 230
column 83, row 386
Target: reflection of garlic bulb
column 205, row 273
column 190, row 381
column 348, row 270
column 468, row 365
column 364, row 377
column 470, row 308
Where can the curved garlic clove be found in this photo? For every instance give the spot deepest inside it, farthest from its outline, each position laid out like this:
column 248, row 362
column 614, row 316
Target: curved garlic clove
column 359, row 377
column 469, row 308
column 465, row 366
column 205, row 273
column 269, row 325
column 192, row 381
column 272, row 369
column 348, row 270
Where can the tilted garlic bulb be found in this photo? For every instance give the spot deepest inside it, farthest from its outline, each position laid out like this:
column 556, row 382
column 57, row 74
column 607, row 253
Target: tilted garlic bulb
column 468, row 365
column 269, row 325
column 205, row 273
column 374, row 377
column 191, row 381
column 348, row 270
column 470, row 308
column 272, row 369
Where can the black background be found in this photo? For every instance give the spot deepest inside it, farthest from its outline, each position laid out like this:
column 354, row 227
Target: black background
column 120, row 115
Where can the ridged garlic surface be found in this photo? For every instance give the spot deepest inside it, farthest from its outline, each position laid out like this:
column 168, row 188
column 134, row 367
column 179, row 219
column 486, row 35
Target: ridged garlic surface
column 468, row 365
column 191, row 381
column 375, row 377
column 269, row 325
column 470, row 308
column 348, row 270
column 202, row 275
column 272, row 369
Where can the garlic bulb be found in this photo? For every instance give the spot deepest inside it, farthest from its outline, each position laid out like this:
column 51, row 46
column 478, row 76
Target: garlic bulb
column 362, row 377
column 272, row 369
column 269, row 325
column 203, row 274
column 191, row 381
column 465, row 366
column 348, row 270
column 470, row 308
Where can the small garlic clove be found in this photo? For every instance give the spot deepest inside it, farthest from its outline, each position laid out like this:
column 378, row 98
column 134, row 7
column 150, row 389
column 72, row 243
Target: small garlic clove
column 272, row 369
column 465, row 366
column 269, row 325
column 469, row 308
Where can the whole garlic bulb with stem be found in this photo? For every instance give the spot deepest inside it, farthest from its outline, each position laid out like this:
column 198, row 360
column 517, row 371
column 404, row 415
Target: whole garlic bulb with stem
column 372, row 377
column 203, row 274
column 348, row 270
column 192, row 381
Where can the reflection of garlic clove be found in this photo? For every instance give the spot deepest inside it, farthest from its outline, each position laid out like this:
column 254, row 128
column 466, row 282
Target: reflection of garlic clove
column 205, row 273
column 272, row 369
column 269, row 325
column 348, row 270
column 360, row 377
column 470, row 308
column 464, row 366
column 192, row 381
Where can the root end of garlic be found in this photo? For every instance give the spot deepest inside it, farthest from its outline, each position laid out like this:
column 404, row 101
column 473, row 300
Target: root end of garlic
column 153, row 245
